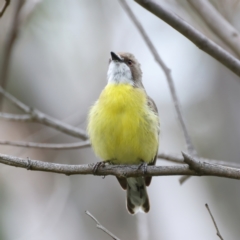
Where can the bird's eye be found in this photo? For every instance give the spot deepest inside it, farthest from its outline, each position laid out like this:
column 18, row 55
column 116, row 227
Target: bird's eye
column 129, row 62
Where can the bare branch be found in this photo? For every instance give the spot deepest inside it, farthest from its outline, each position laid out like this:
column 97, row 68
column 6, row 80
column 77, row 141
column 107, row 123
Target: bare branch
column 167, row 73
column 7, row 2
column 16, row 117
column 13, row 34
column 219, row 25
column 40, row 117
column 56, row 146
column 188, row 160
column 193, row 35
column 179, row 159
column 102, row 227
column 207, row 169
column 215, row 224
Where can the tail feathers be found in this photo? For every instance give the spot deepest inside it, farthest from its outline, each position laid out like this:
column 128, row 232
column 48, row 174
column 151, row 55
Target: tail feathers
column 137, row 197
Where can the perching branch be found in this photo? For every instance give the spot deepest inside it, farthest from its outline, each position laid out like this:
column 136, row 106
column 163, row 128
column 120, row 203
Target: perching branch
column 102, row 227
column 192, row 34
column 7, row 2
column 37, row 116
column 215, row 224
column 167, row 73
column 13, row 34
column 219, row 25
column 207, row 169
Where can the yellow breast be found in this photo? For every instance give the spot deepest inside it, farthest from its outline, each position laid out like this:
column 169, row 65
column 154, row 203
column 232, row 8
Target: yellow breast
column 122, row 128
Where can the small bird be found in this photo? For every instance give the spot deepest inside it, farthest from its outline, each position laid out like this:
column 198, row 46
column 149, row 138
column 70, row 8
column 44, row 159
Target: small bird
column 123, row 126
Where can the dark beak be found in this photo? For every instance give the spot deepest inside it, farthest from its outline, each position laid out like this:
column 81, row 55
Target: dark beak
column 115, row 57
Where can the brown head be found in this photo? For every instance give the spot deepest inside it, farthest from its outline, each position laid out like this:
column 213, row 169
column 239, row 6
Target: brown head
column 124, row 68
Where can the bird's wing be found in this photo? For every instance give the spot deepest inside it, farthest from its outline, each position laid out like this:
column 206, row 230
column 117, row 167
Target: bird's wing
column 153, row 107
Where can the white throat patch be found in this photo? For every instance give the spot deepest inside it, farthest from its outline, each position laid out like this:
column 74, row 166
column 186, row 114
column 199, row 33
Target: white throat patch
column 119, row 72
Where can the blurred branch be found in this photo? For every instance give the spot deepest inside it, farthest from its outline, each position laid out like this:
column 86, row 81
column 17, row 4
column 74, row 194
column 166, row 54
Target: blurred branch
column 13, row 34
column 215, row 224
column 193, row 35
column 166, row 71
column 219, row 25
column 7, row 2
column 207, row 169
column 56, row 146
column 37, row 116
column 16, row 117
column 101, row 226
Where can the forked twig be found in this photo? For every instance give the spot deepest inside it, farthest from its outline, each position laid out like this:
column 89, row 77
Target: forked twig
column 100, row 226
column 219, row 25
column 214, row 222
column 40, row 117
column 192, row 34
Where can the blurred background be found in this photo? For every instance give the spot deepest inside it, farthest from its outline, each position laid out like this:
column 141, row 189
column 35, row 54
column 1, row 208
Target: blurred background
column 58, row 65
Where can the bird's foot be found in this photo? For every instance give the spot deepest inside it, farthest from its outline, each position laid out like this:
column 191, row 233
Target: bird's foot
column 101, row 164
column 143, row 166
column 97, row 165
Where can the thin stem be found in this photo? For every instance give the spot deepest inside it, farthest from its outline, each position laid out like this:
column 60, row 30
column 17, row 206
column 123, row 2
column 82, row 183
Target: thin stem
column 13, row 35
column 16, row 117
column 214, row 222
column 53, row 146
column 167, row 73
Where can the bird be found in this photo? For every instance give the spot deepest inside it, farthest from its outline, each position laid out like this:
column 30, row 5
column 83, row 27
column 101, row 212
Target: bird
column 123, row 126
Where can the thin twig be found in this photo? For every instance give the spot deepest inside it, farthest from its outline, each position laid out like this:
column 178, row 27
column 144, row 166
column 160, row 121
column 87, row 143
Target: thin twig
column 16, row 117
column 6, row 4
column 167, row 73
column 214, row 222
column 13, row 34
column 219, row 25
column 100, row 226
column 192, row 34
column 42, row 118
column 54, row 146
column 207, row 169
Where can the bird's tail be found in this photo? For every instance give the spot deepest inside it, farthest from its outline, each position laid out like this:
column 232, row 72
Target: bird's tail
column 137, row 197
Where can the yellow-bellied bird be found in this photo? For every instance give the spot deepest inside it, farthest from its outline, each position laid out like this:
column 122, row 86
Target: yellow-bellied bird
column 123, row 126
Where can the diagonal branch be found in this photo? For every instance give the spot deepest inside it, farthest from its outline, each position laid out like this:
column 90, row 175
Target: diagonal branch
column 214, row 222
column 219, row 25
column 7, row 2
column 42, row 118
column 100, row 226
column 54, row 146
column 192, row 34
column 167, row 73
